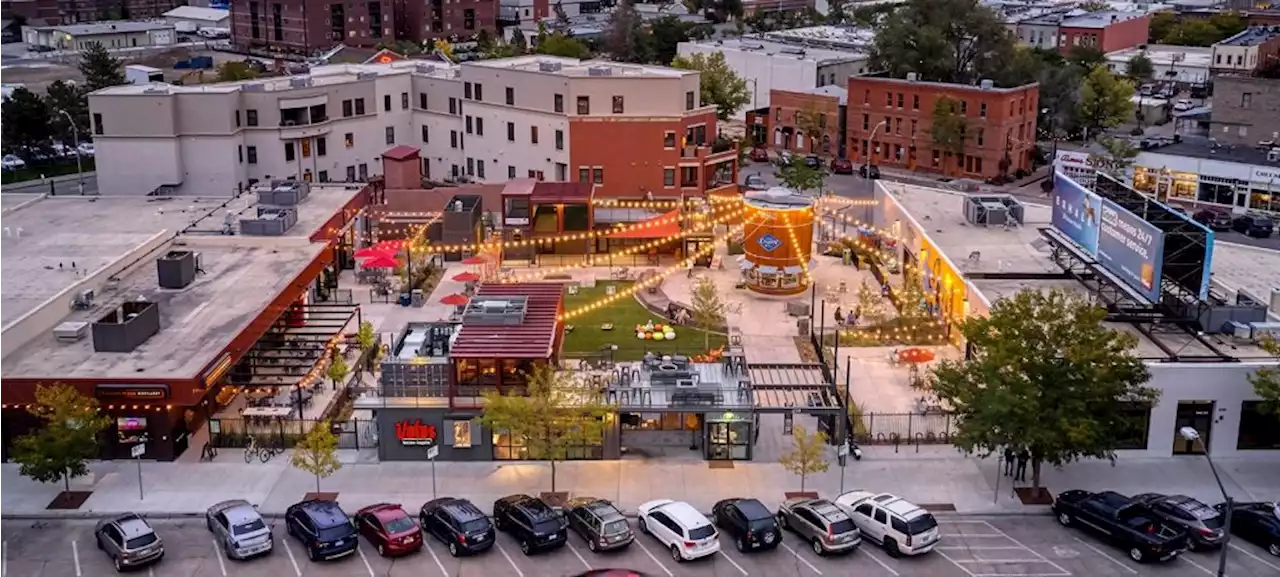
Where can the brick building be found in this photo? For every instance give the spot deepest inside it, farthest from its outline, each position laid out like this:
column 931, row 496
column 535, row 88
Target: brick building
column 304, row 27
column 76, row 11
column 1243, row 53
column 784, row 124
column 1107, row 31
column 1246, row 110
column 889, row 122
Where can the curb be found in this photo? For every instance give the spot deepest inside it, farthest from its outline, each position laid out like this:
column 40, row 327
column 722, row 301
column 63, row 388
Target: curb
column 182, row 515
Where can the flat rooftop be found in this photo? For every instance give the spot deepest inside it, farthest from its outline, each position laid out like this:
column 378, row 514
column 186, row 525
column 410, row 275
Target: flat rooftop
column 1164, row 55
column 1201, row 147
column 326, row 75
column 113, row 243
column 1252, row 36
column 113, row 27
column 1100, row 19
column 795, row 50
column 573, row 67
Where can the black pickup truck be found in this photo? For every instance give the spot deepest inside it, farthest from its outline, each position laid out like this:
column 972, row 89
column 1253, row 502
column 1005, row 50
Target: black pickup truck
column 1122, row 521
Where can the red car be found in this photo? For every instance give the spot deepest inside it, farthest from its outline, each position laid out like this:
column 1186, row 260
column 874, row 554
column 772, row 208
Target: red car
column 841, row 166
column 389, row 528
column 759, row 154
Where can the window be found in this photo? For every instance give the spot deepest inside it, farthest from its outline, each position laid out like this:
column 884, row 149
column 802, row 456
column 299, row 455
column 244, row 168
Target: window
column 964, row 107
column 97, row 123
column 470, row 126
column 479, row 126
column 324, row 176
column 453, row 105
column 669, row 139
column 866, row 122
column 533, row 134
column 597, row 175
column 888, row 99
column 480, row 168
column 660, row 421
column 915, row 102
column 899, row 100
column 897, row 126
column 511, row 172
column 422, row 100
column 511, row 131
column 426, row 134
column 511, row 96
column 347, row 110
column 251, row 117
column 237, row 119
column 349, row 140
column 584, row 174
column 359, row 107
column 462, row 434
column 288, row 152
column 866, row 98
column 1258, row 428
column 559, row 103
column 562, row 171
column 471, row 171
column 404, row 100
column 466, row 90
column 618, row 105
column 688, row 100
column 584, row 105
column 559, row 140
column 981, row 136
column 322, row 146
column 251, row 154
column 982, row 110
column 391, row 135
column 913, row 127
column 240, row 153
column 479, row 92
column 351, row 174
column 1132, row 432
column 453, row 139
column 668, row 177
column 386, row 103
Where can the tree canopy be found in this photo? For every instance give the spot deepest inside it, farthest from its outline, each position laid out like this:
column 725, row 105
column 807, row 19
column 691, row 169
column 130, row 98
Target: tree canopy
column 720, row 85
column 1045, row 376
column 708, row 308
column 625, row 39
column 100, row 68
column 1104, row 100
column 60, row 448
column 1167, row 28
column 71, row 98
column 807, row 454
column 25, row 123
column 958, row 41
column 317, row 452
column 1266, row 380
column 800, row 176
column 948, row 126
column 1140, row 67
column 559, row 44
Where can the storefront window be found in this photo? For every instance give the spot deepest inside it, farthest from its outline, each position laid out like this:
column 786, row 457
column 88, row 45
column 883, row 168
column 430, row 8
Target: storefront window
column 488, row 372
column 1135, row 426
column 468, row 372
column 1264, row 200
column 660, row 421
column 1258, row 428
column 1217, row 192
column 462, row 434
column 508, row 447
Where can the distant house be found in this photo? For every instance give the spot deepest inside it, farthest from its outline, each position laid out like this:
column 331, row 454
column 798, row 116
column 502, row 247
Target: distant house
column 111, row 34
column 193, row 18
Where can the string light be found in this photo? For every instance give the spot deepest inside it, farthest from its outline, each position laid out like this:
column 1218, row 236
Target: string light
column 642, row 283
column 795, row 247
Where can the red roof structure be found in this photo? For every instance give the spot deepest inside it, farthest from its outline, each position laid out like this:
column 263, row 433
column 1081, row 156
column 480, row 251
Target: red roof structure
column 400, row 152
column 537, row 337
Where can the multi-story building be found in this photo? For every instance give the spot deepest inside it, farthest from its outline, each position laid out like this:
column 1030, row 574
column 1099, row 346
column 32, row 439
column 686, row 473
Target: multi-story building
column 304, row 27
column 632, row 131
column 1245, row 110
column 78, row 11
column 889, row 122
column 1245, row 52
column 525, row 12
column 1107, row 31
column 792, row 116
column 113, row 35
column 426, row 20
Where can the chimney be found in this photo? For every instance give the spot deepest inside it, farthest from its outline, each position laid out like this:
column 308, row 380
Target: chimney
column 401, row 167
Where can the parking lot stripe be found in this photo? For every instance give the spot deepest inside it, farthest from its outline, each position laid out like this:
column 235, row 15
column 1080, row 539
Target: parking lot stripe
column 997, row 561
column 876, row 558
column 655, row 560
column 734, row 563
column 578, row 555
column 1017, row 575
column 289, row 550
column 75, row 555
column 953, row 562
column 963, row 548
column 802, row 559
column 217, row 552
column 1061, row 571
column 1105, row 555
column 1255, row 557
column 151, row 571
column 509, row 559
column 1196, row 565
column 443, row 571
column 4, row 558
column 360, row 550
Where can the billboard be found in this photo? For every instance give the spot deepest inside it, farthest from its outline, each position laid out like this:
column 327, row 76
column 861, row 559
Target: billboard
column 1122, row 243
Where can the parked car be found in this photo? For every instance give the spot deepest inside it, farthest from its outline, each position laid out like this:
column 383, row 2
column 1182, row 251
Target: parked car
column 754, row 182
column 1183, row 105
column 1202, row 523
column 1216, row 220
column 599, row 523
column 129, row 541
column 322, row 527
column 389, row 528
column 1254, row 225
column 1122, row 522
column 841, row 166
column 759, row 154
column 812, row 161
column 821, row 523
column 240, row 529
column 783, row 158
column 12, row 162
column 457, row 523
column 748, row 522
column 680, row 528
column 869, row 171
column 898, row 525
column 40, row 48
column 1257, row 523
column 86, row 149
column 533, row 523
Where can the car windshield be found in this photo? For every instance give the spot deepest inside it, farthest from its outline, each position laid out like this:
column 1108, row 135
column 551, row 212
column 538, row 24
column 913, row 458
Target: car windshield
column 475, row 525
column 615, row 527
column 334, row 533
column 399, row 525
column 702, row 532
column 140, row 541
column 250, row 527
column 842, row 526
column 921, row 524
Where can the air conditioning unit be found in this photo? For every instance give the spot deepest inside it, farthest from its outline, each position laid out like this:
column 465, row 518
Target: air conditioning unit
column 71, row 331
column 686, row 384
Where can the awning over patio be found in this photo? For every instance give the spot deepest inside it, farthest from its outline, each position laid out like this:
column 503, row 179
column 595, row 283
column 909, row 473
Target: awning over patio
column 665, row 226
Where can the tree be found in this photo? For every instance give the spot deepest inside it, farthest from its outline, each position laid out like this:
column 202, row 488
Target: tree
column 807, row 455
column 625, row 38
column 1193, row 32
column 25, row 123
column 1086, row 56
column 1094, row 6
column 235, row 70
column 317, row 453
column 67, row 96
column 812, row 123
column 337, row 369
column 1161, row 23
column 958, row 41
column 801, row 177
column 948, row 127
column 720, row 86
column 559, row 414
column 1120, row 155
column 665, row 36
column 1044, row 376
column 708, row 308
column 61, row 447
column 562, row 17
column 1104, row 100
column 558, row 44
column 836, row 13
column 870, row 305
column 1140, row 67
column 367, row 340
column 100, row 68
column 1266, row 380
column 518, row 40
column 716, row 11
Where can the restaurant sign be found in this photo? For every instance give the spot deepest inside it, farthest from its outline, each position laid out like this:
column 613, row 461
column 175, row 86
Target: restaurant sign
column 132, row 392
column 415, row 433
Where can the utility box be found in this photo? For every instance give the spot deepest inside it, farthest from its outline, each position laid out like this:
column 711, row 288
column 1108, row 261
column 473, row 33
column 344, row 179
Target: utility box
column 176, row 269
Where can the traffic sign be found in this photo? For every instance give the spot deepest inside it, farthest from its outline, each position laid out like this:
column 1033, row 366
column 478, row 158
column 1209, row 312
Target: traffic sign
column 137, row 450
column 433, row 452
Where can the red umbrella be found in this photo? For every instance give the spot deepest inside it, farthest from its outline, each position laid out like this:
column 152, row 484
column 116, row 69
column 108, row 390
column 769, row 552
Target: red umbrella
column 371, row 252
column 390, row 246
column 467, row 277
column 456, row 300
column 383, row 261
column 474, row 260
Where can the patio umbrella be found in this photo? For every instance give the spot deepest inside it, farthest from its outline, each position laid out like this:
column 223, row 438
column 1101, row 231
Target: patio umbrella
column 474, row 260
column 371, row 252
column 466, row 277
column 456, row 300
column 390, row 246
column 383, row 261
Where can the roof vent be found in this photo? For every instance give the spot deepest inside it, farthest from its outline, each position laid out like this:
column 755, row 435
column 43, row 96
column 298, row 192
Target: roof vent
column 71, row 331
column 599, row 71
column 548, row 66
column 177, row 269
column 153, row 89
column 300, row 82
column 987, row 84
column 424, row 68
column 912, row 77
column 507, row 311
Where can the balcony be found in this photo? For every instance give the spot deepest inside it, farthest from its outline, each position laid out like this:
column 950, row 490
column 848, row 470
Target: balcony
column 293, row 130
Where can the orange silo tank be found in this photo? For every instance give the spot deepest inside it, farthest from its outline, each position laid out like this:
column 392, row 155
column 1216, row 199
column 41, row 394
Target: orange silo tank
column 777, row 242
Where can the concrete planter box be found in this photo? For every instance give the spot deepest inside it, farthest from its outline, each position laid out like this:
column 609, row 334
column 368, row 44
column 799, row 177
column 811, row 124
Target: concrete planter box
column 126, row 327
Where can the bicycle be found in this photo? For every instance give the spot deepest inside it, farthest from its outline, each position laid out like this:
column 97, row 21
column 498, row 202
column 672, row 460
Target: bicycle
column 264, row 452
column 208, row 452
column 252, row 450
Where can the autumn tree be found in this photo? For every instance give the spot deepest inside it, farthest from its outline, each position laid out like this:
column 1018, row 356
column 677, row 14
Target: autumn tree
column 233, row 71
column 720, row 86
column 948, row 127
column 708, row 308
column 1044, row 376
column 1120, row 155
column 337, row 369
column 807, row 454
column 62, row 445
column 1266, row 380
column 560, row 44
column 1104, row 100
column 370, row 346
column 317, row 452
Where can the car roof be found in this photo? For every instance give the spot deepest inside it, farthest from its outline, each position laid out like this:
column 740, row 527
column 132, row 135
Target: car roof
column 601, row 508
column 385, row 511
column 826, row 508
column 753, row 509
column 460, row 509
column 241, row 514
column 133, row 526
column 323, row 513
column 683, row 513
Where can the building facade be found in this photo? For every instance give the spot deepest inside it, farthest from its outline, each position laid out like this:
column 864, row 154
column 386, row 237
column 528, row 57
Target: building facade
column 82, row 11
column 889, row 122
column 1237, row 179
column 632, row 131
column 793, row 114
column 1107, row 31
column 304, row 27
column 1182, row 64
column 112, row 35
column 1247, row 51
column 1245, row 110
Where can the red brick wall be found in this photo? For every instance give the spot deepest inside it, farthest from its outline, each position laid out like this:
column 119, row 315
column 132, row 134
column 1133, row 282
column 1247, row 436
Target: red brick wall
column 631, row 152
column 782, row 122
column 1118, row 36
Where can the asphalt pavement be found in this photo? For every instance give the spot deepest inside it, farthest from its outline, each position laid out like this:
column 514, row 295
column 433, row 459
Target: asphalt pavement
column 1014, row 546
column 65, row 185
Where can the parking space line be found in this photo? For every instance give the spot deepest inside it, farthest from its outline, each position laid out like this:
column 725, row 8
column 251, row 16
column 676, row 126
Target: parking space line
column 1196, row 565
column 953, row 562
column 1017, row 575
column 998, row 561
column 976, row 535
column 509, row 559
column 4, row 558
column 1106, row 556
column 75, row 554
column 963, row 548
column 217, row 552
column 360, row 550
column 151, row 571
column 878, row 561
column 289, row 550
column 443, row 571
column 734, row 563
column 578, row 555
column 655, row 559
column 1062, row 571
column 1255, row 557
column 802, row 559
column 962, row 522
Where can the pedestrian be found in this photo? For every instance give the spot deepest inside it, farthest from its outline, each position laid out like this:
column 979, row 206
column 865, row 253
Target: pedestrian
column 1021, row 474
column 1008, row 461
column 839, row 316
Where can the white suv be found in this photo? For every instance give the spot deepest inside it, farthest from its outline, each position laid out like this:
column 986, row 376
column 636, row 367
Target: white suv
column 900, row 526
column 681, row 528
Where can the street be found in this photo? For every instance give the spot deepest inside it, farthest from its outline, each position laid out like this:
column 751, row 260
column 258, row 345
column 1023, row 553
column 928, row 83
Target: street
column 971, row 547
column 62, row 186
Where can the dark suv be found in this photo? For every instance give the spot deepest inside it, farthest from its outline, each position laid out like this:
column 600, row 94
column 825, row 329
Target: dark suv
column 749, row 522
column 1254, row 225
column 1202, row 523
column 599, row 523
column 323, row 528
column 531, row 521
column 457, row 523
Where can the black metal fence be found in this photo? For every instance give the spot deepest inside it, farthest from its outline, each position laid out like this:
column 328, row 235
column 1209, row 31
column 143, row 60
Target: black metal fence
column 235, row 433
column 904, row 428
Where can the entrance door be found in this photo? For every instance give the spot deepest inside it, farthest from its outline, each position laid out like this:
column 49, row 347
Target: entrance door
column 729, row 441
column 1197, row 415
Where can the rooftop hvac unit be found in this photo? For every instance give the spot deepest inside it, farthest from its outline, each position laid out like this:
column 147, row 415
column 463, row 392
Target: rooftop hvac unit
column 71, row 331
column 424, row 68
column 366, row 75
column 299, row 82
column 987, row 84
column 155, row 90
column 599, row 71
column 253, row 87
column 912, row 77
column 176, row 269
column 548, row 66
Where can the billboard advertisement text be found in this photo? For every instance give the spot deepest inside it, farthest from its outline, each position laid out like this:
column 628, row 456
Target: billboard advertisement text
column 1075, row 212
column 1123, row 243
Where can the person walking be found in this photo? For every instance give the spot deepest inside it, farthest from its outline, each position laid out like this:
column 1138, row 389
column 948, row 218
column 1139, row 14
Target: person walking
column 1023, row 458
column 1008, row 461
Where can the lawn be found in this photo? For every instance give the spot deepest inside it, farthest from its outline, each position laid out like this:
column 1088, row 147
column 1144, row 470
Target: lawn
column 588, row 337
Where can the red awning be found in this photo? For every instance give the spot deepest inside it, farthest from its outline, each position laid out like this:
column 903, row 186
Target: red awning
column 665, row 226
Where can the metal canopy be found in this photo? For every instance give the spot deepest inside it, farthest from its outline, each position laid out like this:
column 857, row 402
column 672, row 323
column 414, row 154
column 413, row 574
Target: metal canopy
column 285, row 354
column 780, row 388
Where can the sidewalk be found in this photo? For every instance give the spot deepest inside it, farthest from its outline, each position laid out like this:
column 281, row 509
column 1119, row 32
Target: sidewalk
column 936, row 476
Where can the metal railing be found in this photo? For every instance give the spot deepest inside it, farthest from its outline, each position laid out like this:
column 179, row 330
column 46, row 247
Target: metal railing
column 904, row 428
column 286, row 433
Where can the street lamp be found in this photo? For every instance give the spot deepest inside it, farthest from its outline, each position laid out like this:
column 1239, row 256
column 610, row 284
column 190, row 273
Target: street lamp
column 1192, row 435
column 1053, row 133
column 871, row 148
column 75, row 140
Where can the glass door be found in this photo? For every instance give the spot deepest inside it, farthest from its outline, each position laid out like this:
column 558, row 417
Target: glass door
column 1197, row 415
column 729, row 441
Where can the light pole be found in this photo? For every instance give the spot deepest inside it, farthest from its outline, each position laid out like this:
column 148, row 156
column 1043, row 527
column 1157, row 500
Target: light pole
column 75, row 141
column 871, row 148
column 1192, row 435
column 1053, row 136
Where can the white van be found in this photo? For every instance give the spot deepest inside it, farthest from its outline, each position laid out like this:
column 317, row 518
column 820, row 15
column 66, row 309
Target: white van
column 898, row 525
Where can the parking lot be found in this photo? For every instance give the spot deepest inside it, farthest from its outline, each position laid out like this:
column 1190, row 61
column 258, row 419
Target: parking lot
column 971, row 547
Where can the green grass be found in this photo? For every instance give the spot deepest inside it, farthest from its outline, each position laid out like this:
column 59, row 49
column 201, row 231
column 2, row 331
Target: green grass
column 625, row 313
column 27, row 173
